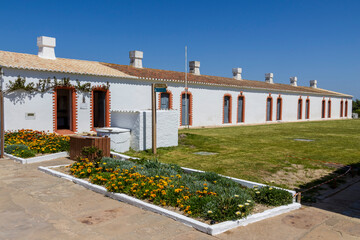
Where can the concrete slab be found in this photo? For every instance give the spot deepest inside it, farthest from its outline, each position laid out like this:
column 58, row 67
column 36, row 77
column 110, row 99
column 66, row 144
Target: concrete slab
column 34, row 205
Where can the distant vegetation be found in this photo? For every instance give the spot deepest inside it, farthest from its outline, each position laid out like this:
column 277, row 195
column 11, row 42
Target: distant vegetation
column 356, row 106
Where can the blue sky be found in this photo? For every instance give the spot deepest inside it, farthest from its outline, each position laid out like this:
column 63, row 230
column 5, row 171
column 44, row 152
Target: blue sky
column 308, row 39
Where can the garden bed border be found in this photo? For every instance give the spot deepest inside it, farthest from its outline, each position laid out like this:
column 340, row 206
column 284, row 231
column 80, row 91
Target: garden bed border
column 203, row 227
column 43, row 158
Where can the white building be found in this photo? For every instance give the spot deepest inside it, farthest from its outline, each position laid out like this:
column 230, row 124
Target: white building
column 91, row 90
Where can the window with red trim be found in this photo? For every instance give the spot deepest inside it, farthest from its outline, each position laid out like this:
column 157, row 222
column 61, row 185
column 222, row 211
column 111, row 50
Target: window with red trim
column 346, row 108
column 341, row 108
column 323, row 106
column 299, row 114
column 269, row 108
column 227, row 108
column 279, row 108
column 241, row 109
column 307, row 109
column 329, row 109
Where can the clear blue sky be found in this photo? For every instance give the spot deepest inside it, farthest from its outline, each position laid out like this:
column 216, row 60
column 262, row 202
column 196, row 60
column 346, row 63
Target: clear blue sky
column 308, row 39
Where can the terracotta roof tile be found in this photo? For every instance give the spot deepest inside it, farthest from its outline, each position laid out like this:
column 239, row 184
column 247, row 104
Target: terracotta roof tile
column 33, row 62
column 205, row 79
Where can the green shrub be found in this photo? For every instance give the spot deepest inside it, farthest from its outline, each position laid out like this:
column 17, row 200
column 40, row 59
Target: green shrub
column 19, row 150
column 271, row 196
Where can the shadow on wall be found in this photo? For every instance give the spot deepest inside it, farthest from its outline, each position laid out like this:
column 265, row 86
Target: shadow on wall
column 20, row 96
column 341, row 196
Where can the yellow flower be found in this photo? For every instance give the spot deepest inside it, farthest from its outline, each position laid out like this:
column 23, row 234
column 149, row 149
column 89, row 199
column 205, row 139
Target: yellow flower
column 240, row 206
column 209, row 211
column 248, row 200
column 238, row 213
column 247, row 204
column 236, row 195
column 270, row 188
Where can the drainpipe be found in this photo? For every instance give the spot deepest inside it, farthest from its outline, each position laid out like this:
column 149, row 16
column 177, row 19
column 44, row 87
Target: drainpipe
column 2, row 139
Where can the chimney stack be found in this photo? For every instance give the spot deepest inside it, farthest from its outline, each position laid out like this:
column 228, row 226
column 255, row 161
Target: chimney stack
column 313, row 83
column 269, row 77
column 237, row 73
column 136, row 58
column 46, row 47
column 293, row 81
column 194, row 67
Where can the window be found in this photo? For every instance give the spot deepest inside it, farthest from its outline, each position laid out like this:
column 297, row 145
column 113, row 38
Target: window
column 307, row 109
column 269, row 109
column 227, row 109
column 279, row 108
column 341, row 108
column 346, row 108
column 186, row 109
column 323, row 109
column 241, row 109
column 299, row 114
column 164, row 101
column 329, row 109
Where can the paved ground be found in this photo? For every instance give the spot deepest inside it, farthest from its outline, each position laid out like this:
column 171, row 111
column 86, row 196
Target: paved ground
column 34, row 205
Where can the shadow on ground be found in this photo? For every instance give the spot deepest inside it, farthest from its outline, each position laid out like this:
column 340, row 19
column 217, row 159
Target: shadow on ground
column 341, row 195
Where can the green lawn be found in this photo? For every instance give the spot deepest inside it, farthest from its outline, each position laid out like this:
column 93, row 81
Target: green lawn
column 252, row 152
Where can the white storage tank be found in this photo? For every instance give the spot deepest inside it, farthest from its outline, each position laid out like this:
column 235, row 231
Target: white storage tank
column 119, row 137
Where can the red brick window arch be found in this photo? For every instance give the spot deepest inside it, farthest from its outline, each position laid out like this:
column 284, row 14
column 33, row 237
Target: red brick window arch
column 307, row 108
column 346, row 108
column 186, row 99
column 300, row 105
column 99, row 93
column 65, row 110
column 341, row 108
column 165, row 100
column 227, row 108
column 323, row 106
column 269, row 108
column 279, row 108
column 241, row 108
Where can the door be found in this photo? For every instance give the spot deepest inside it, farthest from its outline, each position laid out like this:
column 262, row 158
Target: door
column 165, row 101
column 99, row 101
column 63, row 109
column 307, row 109
column 185, row 112
column 240, row 109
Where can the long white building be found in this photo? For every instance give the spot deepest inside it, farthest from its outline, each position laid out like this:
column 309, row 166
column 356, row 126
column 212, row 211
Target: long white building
column 91, row 90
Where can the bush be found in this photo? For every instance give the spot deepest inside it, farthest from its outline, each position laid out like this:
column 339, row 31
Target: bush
column 271, row 196
column 19, row 150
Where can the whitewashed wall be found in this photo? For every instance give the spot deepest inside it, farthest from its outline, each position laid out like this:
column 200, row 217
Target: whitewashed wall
column 130, row 94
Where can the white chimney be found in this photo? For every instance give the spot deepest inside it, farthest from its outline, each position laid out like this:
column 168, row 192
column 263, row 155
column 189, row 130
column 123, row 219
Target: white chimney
column 313, row 83
column 237, row 73
column 46, row 47
column 269, row 77
column 136, row 58
column 194, row 67
column 293, row 81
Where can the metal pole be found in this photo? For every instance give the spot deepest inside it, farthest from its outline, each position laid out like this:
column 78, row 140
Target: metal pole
column 153, row 110
column 2, row 139
column 186, row 91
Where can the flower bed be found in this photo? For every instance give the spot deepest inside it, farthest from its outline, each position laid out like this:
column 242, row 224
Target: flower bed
column 27, row 143
column 207, row 196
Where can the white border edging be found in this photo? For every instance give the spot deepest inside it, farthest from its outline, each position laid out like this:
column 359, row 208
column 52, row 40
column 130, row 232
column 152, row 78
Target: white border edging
column 46, row 157
column 203, row 227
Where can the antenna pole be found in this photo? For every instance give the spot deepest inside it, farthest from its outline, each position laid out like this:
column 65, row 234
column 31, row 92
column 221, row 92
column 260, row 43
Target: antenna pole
column 187, row 118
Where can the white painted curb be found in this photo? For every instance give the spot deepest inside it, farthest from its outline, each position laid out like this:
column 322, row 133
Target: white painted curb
column 203, row 227
column 46, row 157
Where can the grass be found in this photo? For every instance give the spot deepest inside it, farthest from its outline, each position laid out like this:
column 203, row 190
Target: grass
column 253, row 152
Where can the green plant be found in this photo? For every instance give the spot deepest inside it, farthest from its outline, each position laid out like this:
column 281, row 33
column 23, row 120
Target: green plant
column 19, row 84
column 91, row 154
column 19, row 150
column 271, row 196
